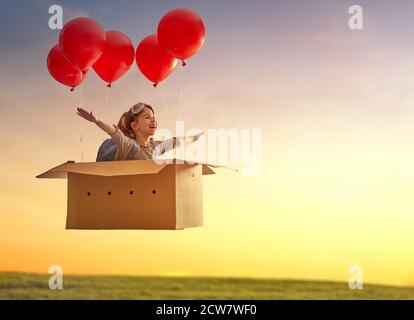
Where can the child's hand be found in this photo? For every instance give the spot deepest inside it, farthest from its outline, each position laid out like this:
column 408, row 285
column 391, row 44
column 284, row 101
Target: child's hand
column 197, row 136
column 87, row 115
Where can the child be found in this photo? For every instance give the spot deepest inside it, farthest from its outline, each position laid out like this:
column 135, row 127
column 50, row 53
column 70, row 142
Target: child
column 133, row 135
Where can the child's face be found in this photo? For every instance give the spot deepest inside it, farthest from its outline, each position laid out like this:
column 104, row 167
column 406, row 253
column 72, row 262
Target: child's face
column 145, row 123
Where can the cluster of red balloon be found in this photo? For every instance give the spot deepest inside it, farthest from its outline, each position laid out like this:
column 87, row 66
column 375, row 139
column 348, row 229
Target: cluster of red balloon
column 180, row 35
column 83, row 44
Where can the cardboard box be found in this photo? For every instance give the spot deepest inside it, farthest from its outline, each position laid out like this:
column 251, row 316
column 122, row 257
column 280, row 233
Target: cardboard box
column 135, row 194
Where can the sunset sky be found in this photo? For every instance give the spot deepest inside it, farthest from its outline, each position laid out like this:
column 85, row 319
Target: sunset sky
column 335, row 107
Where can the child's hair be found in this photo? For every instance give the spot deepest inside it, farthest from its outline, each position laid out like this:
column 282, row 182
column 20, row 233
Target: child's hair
column 124, row 123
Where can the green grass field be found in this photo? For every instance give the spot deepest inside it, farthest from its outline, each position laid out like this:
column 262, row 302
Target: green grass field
column 35, row 286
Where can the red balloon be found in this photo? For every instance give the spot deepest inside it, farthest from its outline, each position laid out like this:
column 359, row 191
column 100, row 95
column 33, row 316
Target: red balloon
column 62, row 70
column 117, row 57
column 82, row 41
column 154, row 62
column 181, row 33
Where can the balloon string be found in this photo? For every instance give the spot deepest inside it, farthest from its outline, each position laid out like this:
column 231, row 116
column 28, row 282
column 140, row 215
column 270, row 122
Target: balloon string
column 81, row 89
column 108, row 91
column 180, row 104
column 180, row 95
column 165, row 107
column 81, row 105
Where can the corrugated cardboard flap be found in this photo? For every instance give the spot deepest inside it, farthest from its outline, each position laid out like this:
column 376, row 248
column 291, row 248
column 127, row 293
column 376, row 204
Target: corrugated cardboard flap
column 121, row 168
column 105, row 168
column 207, row 167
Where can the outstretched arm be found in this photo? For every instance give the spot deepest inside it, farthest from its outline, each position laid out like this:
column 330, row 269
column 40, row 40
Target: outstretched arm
column 193, row 138
column 109, row 129
column 167, row 145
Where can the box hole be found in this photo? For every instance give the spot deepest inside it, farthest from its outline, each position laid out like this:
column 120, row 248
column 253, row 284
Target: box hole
column 109, row 193
column 131, row 192
column 88, row 193
column 154, row 192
